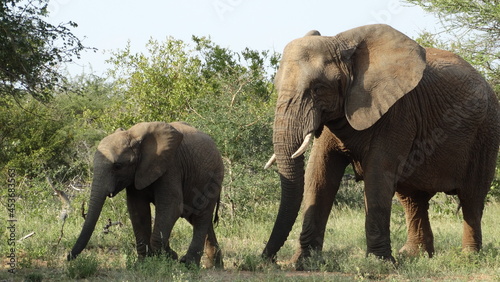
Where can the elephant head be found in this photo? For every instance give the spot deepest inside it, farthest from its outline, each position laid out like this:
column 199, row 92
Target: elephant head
column 356, row 75
column 127, row 158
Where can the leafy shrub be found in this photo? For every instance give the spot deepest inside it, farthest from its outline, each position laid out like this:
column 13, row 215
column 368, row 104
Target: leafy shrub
column 225, row 94
column 55, row 139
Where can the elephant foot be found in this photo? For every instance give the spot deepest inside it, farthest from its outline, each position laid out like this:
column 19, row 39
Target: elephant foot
column 300, row 259
column 390, row 259
column 387, row 257
column 213, row 260
column 415, row 250
column 171, row 254
column 219, row 262
column 307, row 260
column 70, row 256
column 191, row 260
column 470, row 249
column 269, row 259
column 158, row 251
column 168, row 253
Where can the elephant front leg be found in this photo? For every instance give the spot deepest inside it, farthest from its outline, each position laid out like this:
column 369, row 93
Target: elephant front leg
column 324, row 173
column 379, row 191
column 168, row 208
column 420, row 237
column 140, row 215
column 164, row 223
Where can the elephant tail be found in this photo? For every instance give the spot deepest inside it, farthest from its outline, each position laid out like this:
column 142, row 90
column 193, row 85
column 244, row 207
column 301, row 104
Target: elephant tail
column 216, row 216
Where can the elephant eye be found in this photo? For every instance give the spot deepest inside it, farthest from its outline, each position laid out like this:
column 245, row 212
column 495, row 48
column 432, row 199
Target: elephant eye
column 117, row 166
column 319, row 86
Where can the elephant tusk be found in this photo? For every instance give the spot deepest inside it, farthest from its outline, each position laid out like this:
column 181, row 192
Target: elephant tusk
column 303, row 147
column 270, row 161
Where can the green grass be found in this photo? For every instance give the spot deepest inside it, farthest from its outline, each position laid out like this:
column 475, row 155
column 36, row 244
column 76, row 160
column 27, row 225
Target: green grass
column 83, row 267
column 242, row 233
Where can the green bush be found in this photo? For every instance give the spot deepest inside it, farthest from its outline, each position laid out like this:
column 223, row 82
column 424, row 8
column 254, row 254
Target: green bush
column 228, row 95
column 53, row 139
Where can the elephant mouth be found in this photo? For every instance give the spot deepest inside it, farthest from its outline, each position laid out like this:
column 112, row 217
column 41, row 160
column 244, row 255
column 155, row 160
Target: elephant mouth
column 116, row 191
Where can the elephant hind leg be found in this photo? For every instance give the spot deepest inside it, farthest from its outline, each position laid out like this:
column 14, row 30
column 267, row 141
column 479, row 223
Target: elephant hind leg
column 472, row 209
column 201, row 226
column 481, row 171
column 140, row 215
column 213, row 253
column 472, row 236
column 420, row 237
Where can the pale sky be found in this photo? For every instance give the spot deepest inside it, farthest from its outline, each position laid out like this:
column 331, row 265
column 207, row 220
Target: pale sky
column 236, row 24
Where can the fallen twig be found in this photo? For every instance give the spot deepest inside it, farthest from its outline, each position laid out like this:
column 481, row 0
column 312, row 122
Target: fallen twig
column 74, row 188
column 26, row 236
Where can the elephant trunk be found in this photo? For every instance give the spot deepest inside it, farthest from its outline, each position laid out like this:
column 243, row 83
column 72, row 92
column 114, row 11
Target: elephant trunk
column 96, row 202
column 288, row 135
column 292, row 189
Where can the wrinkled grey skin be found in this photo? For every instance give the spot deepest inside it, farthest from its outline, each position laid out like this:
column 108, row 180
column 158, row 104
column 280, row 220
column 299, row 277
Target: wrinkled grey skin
column 174, row 166
column 411, row 121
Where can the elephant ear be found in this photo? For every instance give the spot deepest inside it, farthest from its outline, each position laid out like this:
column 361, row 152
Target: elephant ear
column 157, row 143
column 386, row 65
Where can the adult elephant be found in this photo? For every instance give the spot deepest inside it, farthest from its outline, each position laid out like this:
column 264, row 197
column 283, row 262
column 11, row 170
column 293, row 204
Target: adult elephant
column 174, row 166
column 411, row 121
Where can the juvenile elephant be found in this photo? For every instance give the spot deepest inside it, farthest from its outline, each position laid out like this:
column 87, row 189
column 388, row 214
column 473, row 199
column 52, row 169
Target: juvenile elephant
column 411, row 121
column 174, row 166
